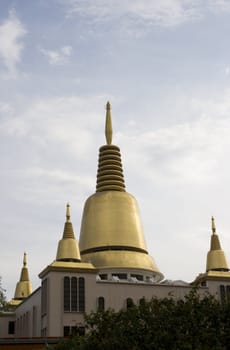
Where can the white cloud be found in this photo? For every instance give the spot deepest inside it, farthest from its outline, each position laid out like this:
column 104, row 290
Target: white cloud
column 133, row 14
column 12, row 32
column 164, row 13
column 186, row 152
column 227, row 70
column 5, row 109
column 189, row 152
column 219, row 5
column 58, row 57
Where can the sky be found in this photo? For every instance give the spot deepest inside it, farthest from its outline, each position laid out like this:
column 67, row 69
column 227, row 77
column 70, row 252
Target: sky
column 165, row 68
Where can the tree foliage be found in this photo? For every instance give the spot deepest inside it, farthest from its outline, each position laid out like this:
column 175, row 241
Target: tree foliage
column 160, row 324
column 3, row 302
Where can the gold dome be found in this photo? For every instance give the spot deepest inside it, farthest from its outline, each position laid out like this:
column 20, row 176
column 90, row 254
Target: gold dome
column 111, row 231
column 24, row 286
column 68, row 249
column 216, row 260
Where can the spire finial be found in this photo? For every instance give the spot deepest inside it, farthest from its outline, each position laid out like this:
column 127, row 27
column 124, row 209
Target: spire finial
column 24, row 260
column 108, row 124
column 67, row 212
column 213, row 226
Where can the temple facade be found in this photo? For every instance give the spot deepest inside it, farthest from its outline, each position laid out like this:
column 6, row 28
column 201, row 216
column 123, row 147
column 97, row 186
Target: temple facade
column 108, row 268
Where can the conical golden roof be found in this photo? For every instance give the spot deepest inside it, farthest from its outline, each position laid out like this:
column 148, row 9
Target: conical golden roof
column 68, row 249
column 24, row 286
column 216, row 260
column 111, row 234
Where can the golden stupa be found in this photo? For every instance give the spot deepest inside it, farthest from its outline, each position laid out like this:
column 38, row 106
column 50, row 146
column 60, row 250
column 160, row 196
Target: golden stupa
column 68, row 255
column 216, row 264
column 23, row 287
column 68, row 249
column 216, row 260
column 111, row 236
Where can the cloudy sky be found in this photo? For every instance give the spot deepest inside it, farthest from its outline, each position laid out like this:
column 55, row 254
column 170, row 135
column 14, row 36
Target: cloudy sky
column 165, row 67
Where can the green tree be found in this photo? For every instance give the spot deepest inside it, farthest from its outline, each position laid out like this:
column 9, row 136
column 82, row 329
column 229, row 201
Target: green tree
column 192, row 323
column 3, row 302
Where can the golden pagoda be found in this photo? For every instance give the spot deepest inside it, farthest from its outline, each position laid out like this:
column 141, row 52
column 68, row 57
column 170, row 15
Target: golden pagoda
column 216, row 264
column 68, row 249
column 24, row 286
column 111, row 235
column 216, row 260
column 68, row 258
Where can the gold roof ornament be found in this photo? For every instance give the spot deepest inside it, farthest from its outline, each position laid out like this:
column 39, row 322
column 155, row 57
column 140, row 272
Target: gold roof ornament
column 108, row 125
column 24, row 286
column 110, row 173
column 216, row 260
column 68, row 249
column 111, row 234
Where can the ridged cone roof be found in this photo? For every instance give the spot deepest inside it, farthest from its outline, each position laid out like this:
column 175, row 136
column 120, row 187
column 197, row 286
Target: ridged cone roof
column 24, row 286
column 110, row 173
column 68, row 249
column 216, row 260
column 111, row 231
column 68, row 228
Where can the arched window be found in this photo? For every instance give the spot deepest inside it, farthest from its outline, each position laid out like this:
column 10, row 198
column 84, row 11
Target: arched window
column 129, row 303
column 74, row 294
column 142, row 301
column 66, row 294
column 81, row 294
column 101, row 303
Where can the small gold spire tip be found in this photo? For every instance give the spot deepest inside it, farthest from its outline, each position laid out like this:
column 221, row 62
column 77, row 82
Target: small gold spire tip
column 213, row 226
column 108, row 125
column 68, row 212
column 24, row 260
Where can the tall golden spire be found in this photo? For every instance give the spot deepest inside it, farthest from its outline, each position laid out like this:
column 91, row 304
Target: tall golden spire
column 108, row 125
column 68, row 249
column 111, row 236
column 24, row 286
column 216, row 260
column 110, row 173
column 215, row 242
column 213, row 225
column 67, row 212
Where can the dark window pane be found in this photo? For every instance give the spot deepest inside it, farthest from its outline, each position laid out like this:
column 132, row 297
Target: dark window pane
column 66, row 294
column 74, row 330
column 121, row 276
column 228, row 293
column 73, row 294
column 11, row 326
column 138, row 277
column 81, row 330
column 66, row 331
column 101, row 303
column 44, row 297
column 222, row 293
column 103, row 276
column 142, row 301
column 81, row 294
column 129, row 303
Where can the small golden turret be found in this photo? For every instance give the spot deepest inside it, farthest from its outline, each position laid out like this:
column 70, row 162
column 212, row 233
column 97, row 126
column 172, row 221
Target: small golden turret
column 68, row 249
column 24, row 286
column 111, row 234
column 216, row 260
